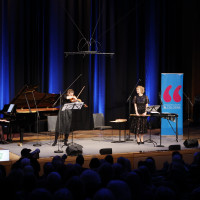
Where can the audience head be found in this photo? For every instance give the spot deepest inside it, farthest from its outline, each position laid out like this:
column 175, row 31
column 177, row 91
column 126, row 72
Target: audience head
column 103, row 194
column 176, row 156
column 62, row 194
column 164, row 193
column 134, row 183
column 25, row 153
column 48, row 168
column 53, row 181
column 76, row 186
column 94, row 163
column 117, row 171
column 109, row 159
column 145, row 175
column 125, row 163
column 80, row 160
column 120, row 189
column 196, row 159
column 106, row 173
column 150, row 163
column 91, row 181
column 58, row 163
column 28, row 169
column 25, row 161
column 40, row 194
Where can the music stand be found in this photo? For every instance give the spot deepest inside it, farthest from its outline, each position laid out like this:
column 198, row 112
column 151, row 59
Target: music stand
column 152, row 109
column 75, row 105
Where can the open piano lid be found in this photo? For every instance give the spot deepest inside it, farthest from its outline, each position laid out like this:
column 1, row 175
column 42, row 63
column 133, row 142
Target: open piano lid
column 43, row 100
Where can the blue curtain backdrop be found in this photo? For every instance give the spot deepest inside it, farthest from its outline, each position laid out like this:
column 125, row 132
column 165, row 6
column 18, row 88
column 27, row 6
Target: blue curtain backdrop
column 148, row 38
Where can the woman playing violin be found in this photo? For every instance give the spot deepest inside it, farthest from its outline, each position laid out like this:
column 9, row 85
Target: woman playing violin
column 64, row 118
column 75, row 99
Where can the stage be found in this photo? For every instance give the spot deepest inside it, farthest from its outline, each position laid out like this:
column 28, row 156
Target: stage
column 91, row 146
column 92, row 141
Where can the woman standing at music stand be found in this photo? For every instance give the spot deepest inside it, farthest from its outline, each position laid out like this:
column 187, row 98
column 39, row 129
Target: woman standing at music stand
column 64, row 118
column 139, row 122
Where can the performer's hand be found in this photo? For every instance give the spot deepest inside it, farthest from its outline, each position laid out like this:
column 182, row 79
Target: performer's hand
column 72, row 98
column 137, row 113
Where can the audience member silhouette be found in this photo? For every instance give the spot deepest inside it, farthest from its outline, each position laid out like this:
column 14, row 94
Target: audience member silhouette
column 109, row 159
column 91, row 181
column 28, row 158
column 120, row 189
column 105, row 171
column 63, row 194
column 40, row 194
column 76, row 186
column 94, row 163
column 104, row 194
column 53, row 181
column 125, row 163
column 80, row 160
column 135, row 185
column 164, row 193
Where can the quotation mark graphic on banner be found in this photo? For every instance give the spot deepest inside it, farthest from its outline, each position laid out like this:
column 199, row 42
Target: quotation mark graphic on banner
column 166, row 96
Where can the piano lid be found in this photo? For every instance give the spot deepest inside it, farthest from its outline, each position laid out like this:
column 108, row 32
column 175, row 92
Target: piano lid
column 29, row 92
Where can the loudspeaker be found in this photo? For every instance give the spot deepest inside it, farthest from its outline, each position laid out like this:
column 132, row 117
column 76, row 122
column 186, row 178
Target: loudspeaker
column 189, row 143
column 174, row 147
column 105, row 151
column 74, row 150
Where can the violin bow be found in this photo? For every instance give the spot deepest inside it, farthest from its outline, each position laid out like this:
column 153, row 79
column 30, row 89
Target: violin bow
column 80, row 92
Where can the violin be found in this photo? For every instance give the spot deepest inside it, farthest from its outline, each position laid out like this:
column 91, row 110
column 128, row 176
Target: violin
column 75, row 100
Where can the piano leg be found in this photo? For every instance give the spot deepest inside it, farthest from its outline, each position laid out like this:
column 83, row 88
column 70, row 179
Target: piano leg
column 9, row 133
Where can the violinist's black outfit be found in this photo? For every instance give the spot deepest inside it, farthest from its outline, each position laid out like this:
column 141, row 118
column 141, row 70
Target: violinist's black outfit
column 63, row 122
column 139, row 124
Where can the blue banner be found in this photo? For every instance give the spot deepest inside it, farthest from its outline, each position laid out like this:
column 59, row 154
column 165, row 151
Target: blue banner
column 172, row 102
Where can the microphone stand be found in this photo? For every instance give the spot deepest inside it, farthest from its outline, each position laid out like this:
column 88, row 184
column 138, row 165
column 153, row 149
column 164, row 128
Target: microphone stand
column 59, row 151
column 37, row 116
column 161, row 103
column 129, row 100
column 188, row 106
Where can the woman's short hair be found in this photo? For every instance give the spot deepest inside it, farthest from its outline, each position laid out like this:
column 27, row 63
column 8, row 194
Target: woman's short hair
column 141, row 88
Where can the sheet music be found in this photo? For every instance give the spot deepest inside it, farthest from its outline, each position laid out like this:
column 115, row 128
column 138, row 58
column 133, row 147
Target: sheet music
column 153, row 109
column 75, row 105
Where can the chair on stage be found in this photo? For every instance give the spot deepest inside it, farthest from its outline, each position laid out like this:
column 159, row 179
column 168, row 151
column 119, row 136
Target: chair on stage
column 99, row 123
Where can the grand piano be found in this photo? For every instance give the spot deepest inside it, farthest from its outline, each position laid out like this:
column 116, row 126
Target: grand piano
column 30, row 106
